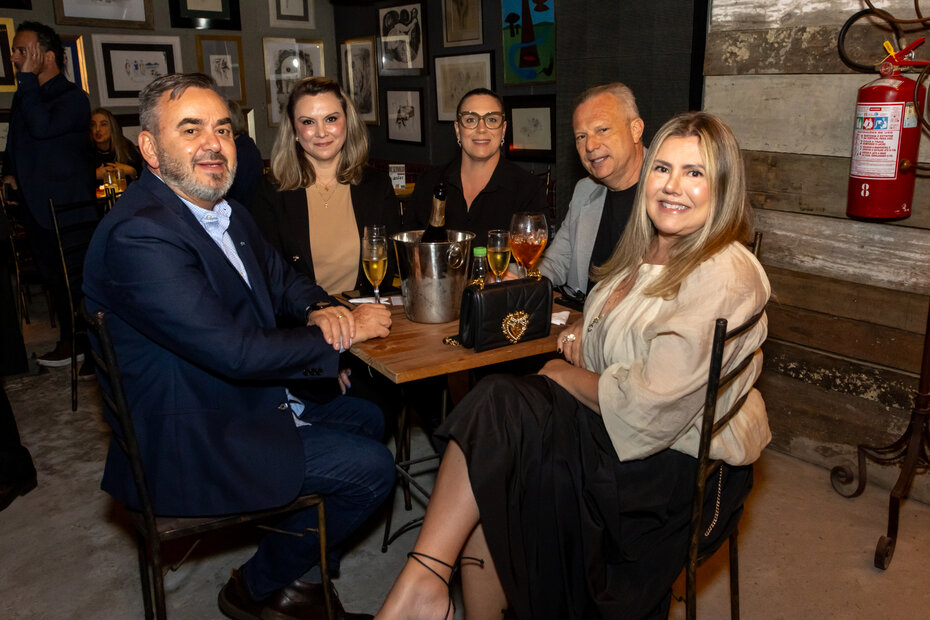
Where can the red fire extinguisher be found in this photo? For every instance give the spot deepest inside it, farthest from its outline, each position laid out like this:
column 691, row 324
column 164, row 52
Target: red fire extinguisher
column 885, row 142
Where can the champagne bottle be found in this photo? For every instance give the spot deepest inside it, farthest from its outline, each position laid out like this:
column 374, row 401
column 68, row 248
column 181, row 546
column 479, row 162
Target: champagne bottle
column 436, row 231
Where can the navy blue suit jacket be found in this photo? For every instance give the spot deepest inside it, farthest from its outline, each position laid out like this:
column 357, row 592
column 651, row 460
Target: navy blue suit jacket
column 47, row 148
column 202, row 361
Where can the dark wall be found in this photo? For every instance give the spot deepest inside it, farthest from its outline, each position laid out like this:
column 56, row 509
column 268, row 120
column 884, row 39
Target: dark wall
column 360, row 19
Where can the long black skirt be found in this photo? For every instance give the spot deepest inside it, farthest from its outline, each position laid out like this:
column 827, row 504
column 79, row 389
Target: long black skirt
column 574, row 532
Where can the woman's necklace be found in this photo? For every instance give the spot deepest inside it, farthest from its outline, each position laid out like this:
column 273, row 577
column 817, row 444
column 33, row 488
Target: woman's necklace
column 325, row 192
column 619, row 293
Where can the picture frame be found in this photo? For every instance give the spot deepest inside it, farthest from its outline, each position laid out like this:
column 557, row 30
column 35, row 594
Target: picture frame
column 221, row 57
column 456, row 75
column 292, row 14
column 404, row 114
column 360, row 77
column 7, row 72
column 127, row 63
column 205, row 14
column 123, row 14
column 4, row 127
column 461, row 23
column 402, row 40
column 75, row 69
column 528, row 49
column 281, row 73
column 530, row 132
column 130, row 125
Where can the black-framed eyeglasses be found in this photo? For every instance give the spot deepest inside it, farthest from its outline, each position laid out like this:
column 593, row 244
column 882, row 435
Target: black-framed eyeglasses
column 492, row 120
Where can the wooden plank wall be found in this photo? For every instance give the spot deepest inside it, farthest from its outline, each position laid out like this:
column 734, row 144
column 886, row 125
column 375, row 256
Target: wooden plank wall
column 850, row 298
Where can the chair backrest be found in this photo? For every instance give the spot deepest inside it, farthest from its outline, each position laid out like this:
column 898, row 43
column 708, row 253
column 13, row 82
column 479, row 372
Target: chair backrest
column 710, row 426
column 116, row 406
column 74, row 224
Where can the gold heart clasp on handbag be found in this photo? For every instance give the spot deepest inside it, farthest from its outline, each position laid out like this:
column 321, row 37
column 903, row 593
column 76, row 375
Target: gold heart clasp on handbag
column 514, row 325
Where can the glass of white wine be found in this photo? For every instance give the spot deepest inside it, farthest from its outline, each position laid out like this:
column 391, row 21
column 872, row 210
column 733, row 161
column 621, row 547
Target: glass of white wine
column 375, row 261
column 498, row 252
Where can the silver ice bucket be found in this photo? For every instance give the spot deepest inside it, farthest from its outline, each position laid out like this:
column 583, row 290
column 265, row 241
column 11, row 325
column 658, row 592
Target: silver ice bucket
column 432, row 275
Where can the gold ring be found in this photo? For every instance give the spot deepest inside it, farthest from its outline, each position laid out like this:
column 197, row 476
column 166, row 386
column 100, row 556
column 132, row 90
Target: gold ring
column 340, row 316
column 570, row 338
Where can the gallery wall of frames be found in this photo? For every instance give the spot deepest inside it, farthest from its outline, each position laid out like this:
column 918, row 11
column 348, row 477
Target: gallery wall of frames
column 405, row 64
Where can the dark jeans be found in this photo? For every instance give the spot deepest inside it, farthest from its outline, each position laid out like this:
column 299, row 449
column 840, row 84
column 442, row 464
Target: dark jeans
column 44, row 247
column 347, row 464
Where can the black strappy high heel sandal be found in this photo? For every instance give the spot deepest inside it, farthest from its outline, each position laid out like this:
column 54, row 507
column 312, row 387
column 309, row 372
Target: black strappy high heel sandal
column 416, row 555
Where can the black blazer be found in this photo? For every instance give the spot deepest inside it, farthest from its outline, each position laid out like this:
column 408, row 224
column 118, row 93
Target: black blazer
column 282, row 218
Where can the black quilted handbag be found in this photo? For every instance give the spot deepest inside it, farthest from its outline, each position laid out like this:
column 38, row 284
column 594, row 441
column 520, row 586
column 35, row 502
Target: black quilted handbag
column 497, row 315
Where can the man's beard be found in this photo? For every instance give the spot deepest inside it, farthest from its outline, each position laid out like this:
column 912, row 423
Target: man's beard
column 180, row 175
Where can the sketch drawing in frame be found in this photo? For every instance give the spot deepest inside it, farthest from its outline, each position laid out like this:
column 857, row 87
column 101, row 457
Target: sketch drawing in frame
column 286, row 62
column 359, row 77
column 75, row 65
column 529, row 48
column 455, row 76
column 127, row 63
column 401, row 40
column 530, row 127
column 461, row 23
column 7, row 74
column 122, row 14
column 291, row 14
column 404, row 116
column 221, row 58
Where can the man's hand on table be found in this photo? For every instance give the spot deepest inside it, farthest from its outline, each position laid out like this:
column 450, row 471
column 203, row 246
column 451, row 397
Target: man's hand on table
column 341, row 327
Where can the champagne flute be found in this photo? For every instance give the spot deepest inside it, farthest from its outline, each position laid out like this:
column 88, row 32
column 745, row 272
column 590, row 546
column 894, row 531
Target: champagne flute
column 528, row 235
column 374, row 261
column 375, row 230
column 498, row 252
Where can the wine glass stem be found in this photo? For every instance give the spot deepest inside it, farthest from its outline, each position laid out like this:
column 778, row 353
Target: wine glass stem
column 377, row 296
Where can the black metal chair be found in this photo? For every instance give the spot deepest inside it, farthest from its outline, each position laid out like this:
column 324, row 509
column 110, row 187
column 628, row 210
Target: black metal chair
column 25, row 270
column 74, row 224
column 699, row 548
column 152, row 530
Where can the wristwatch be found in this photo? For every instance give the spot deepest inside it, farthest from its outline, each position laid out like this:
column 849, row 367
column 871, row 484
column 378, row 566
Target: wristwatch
column 318, row 305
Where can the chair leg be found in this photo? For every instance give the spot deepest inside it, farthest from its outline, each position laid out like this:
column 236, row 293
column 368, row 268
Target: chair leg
column 144, row 572
column 734, row 576
column 158, row 580
column 74, row 370
column 324, row 568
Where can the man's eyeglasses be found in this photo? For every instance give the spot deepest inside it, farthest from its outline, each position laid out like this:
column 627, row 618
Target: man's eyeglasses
column 492, row 120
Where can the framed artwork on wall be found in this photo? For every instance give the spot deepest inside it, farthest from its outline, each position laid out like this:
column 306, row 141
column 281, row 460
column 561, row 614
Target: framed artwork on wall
column 461, row 23
column 359, row 77
column 4, row 127
column 530, row 127
column 130, row 125
column 127, row 63
column 404, row 115
column 203, row 14
column 456, row 75
column 291, row 14
column 221, row 57
column 7, row 76
column 401, row 40
column 122, row 14
column 75, row 69
column 529, row 48
column 286, row 62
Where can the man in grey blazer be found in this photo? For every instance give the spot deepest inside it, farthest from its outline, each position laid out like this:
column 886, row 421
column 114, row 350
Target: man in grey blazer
column 608, row 136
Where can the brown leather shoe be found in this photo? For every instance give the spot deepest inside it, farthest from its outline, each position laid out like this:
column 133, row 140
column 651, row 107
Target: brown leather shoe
column 312, row 594
column 235, row 602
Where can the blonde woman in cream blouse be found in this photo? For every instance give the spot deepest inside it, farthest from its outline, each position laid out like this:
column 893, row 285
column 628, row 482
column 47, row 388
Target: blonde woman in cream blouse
column 571, row 489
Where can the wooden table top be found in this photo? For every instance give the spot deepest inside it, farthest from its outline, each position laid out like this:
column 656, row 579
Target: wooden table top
column 415, row 350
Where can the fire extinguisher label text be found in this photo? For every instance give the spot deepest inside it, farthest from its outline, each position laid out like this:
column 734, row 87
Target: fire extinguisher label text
column 876, row 140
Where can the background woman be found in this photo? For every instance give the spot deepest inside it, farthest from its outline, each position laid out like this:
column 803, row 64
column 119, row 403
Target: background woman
column 321, row 193
column 484, row 189
column 111, row 150
column 576, row 483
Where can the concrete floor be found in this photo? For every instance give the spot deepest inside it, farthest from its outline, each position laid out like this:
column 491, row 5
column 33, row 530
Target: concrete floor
column 66, row 552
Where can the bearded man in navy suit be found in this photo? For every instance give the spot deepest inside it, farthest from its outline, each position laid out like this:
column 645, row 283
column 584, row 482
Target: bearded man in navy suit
column 192, row 291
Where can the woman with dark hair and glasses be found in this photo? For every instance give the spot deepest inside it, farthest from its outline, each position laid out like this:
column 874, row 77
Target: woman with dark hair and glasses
column 483, row 189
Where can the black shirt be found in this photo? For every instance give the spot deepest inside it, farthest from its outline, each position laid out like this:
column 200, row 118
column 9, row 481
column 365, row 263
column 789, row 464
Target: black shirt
column 617, row 209
column 510, row 189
